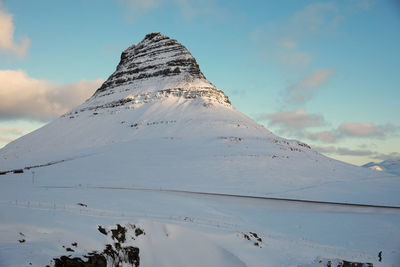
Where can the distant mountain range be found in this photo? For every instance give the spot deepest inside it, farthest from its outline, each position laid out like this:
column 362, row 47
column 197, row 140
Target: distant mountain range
column 391, row 166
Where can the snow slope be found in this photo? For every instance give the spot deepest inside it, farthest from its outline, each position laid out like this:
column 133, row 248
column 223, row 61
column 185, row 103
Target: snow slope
column 157, row 123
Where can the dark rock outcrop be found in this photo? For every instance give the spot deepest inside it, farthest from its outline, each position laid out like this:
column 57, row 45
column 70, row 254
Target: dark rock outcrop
column 116, row 254
column 156, row 68
column 156, row 56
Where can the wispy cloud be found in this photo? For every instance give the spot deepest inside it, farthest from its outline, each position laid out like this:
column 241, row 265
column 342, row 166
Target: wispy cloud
column 353, row 152
column 304, row 90
column 343, row 151
column 299, row 123
column 189, row 9
column 317, row 18
column 357, row 5
column 295, row 119
column 282, row 42
column 8, row 44
column 136, row 8
column 322, row 136
column 359, row 129
column 353, row 130
column 22, row 96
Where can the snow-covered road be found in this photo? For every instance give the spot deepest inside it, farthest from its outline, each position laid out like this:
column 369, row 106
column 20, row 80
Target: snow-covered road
column 300, row 204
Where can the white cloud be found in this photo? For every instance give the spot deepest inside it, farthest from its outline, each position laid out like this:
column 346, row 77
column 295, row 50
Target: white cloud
column 304, row 90
column 359, row 129
column 316, row 18
column 295, row 123
column 295, row 119
column 22, row 96
column 7, row 42
column 140, row 7
column 323, row 136
column 356, row 5
column 189, row 9
column 194, row 8
column 343, row 151
column 300, row 119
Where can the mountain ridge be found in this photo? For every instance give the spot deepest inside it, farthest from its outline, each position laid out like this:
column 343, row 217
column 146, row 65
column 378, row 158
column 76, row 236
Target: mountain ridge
column 154, row 68
column 390, row 166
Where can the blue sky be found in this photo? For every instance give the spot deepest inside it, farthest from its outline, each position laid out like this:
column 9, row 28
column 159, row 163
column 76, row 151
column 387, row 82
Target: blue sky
column 324, row 72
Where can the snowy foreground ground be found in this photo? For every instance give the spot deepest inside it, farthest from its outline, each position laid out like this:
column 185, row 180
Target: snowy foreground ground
column 40, row 220
column 66, row 191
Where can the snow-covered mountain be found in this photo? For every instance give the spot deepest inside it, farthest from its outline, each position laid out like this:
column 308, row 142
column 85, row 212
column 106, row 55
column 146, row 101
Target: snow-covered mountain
column 391, row 166
column 158, row 127
column 158, row 114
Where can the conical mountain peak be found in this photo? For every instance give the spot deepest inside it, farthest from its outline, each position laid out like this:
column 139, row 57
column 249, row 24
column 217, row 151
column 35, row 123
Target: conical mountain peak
column 158, row 67
column 156, row 56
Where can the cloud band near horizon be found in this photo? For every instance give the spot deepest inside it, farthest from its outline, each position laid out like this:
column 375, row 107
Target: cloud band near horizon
column 24, row 97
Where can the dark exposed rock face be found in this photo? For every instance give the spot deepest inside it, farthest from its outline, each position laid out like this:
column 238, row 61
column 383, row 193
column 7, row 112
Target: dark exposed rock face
column 94, row 260
column 153, row 70
column 158, row 67
column 115, row 254
column 156, row 56
column 341, row 263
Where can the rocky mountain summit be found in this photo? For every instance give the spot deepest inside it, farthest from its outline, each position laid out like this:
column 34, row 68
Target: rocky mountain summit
column 157, row 67
column 156, row 56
